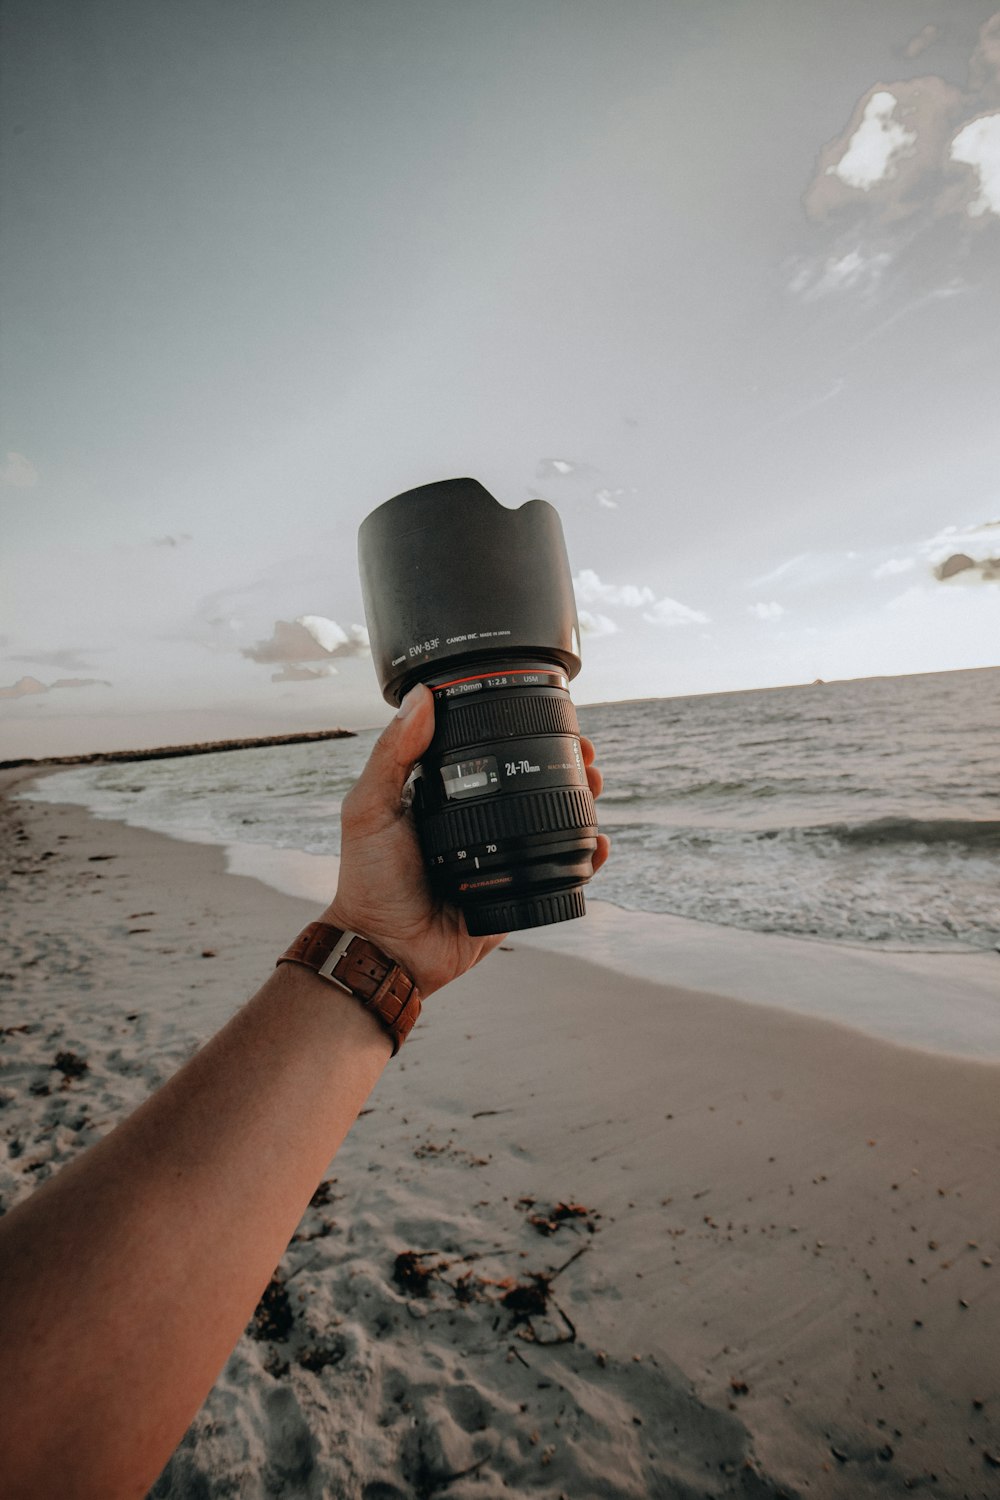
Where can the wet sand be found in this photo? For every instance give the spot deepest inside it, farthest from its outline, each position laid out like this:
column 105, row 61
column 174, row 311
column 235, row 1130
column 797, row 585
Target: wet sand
column 595, row 1236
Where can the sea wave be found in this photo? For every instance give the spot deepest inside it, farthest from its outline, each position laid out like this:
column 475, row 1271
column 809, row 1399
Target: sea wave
column 740, row 809
column 971, row 833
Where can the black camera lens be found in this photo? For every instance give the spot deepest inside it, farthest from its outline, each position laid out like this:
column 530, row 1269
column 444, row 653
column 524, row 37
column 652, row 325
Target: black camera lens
column 476, row 601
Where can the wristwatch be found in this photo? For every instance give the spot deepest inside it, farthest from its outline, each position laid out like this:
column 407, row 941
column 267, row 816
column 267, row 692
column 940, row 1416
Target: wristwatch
column 356, row 966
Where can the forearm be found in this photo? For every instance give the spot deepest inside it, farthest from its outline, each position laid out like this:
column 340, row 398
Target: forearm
column 129, row 1277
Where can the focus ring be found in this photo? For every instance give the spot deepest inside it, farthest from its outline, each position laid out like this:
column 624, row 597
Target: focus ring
column 516, row 817
column 504, row 718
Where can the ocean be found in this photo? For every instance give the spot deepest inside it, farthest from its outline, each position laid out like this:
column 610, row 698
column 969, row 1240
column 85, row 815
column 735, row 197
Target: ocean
column 863, row 813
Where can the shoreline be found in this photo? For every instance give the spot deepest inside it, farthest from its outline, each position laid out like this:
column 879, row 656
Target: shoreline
column 790, row 1238
column 890, row 994
column 170, row 752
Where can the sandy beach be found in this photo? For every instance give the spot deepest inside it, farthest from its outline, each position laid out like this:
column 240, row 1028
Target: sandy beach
column 596, row 1235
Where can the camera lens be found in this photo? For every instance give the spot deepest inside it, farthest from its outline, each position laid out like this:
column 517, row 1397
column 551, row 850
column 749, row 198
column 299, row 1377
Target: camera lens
column 504, row 813
column 476, row 601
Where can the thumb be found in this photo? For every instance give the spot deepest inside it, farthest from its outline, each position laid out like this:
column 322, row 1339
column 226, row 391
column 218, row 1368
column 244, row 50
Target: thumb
column 402, row 741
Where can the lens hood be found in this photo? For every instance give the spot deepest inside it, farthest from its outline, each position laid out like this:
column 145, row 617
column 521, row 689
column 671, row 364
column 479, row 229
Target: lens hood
column 449, row 576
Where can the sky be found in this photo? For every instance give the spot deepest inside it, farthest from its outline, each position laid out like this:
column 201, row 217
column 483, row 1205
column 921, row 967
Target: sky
column 719, row 279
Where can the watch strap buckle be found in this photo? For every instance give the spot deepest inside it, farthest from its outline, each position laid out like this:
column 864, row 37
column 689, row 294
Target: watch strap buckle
column 357, row 967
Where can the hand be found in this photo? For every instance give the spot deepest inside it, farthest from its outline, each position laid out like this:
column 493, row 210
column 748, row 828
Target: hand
column 383, row 892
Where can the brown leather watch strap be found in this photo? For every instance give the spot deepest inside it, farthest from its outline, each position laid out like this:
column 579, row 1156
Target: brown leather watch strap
column 364, row 971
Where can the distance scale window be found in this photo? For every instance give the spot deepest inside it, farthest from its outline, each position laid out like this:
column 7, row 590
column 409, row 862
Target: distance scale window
column 471, row 778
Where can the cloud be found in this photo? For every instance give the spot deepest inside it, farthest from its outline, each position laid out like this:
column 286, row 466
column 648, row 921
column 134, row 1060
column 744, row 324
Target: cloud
column 671, row 612
column 968, row 554
column 791, row 565
column 561, row 468
column 596, row 625
column 892, row 566
column 70, row 660
column 579, row 480
column 978, row 145
column 914, row 154
column 336, row 641
column 964, row 554
column 832, row 391
column 28, row 687
column 771, row 611
column 876, row 143
column 304, row 674
column 590, row 590
column 891, row 164
column 310, row 638
column 24, row 688
column 984, row 66
column 923, row 39
column 288, row 642
column 854, row 270
column 18, row 472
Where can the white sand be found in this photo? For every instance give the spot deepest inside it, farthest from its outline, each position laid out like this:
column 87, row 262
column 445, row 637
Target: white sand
column 784, row 1220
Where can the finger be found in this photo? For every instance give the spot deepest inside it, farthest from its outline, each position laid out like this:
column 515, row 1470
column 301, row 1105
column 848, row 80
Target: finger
column 602, row 851
column 594, row 777
column 402, row 741
column 490, row 944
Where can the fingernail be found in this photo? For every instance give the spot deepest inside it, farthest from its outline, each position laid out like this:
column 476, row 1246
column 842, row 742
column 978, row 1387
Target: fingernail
column 409, row 703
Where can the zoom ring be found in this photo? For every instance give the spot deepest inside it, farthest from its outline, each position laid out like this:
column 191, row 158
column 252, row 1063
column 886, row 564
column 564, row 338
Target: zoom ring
column 554, row 811
column 504, row 718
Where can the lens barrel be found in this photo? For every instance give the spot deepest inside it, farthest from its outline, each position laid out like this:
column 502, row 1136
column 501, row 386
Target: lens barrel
column 476, row 601
column 504, row 813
